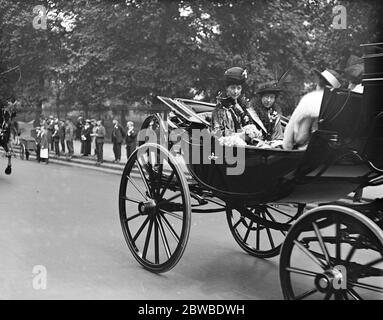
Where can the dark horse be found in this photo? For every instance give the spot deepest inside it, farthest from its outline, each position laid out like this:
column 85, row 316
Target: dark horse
column 6, row 117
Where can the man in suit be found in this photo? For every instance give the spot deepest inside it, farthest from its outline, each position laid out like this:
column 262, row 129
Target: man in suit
column 99, row 135
column 69, row 136
column 304, row 119
column 117, row 139
column 130, row 139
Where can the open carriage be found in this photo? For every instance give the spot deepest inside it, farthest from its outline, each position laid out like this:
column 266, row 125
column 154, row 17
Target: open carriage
column 276, row 201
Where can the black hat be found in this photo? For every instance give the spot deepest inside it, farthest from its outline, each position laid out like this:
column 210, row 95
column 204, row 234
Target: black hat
column 235, row 75
column 329, row 76
column 269, row 88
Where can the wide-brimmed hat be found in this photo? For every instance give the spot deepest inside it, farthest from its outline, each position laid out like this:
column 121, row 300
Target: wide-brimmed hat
column 269, row 89
column 354, row 69
column 235, row 75
column 330, row 76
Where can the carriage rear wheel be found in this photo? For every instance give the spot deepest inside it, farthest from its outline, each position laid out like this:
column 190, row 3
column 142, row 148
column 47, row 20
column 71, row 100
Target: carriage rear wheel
column 257, row 239
column 332, row 252
column 155, row 208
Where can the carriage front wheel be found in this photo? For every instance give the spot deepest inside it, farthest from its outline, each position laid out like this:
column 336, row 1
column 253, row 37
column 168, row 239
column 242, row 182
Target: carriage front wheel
column 332, row 252
column 155, row 207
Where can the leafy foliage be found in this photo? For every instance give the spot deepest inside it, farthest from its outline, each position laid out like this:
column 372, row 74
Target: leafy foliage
column 100, row 55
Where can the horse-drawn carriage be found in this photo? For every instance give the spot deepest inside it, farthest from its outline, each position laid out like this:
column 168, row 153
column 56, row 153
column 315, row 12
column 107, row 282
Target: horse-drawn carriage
column 276, row 201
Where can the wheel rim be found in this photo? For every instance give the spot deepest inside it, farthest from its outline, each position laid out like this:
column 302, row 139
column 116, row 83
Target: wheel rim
column 333, row 255
column 154, row 208
column 255, row 238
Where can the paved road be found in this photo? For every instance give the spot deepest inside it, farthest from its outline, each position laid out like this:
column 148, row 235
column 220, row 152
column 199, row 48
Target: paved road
column 66, row 219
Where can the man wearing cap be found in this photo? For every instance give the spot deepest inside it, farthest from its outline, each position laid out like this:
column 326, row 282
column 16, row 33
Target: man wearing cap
column 230, row 113
column 304, row 119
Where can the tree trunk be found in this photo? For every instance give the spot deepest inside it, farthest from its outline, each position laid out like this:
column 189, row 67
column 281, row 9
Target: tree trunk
column 39, row 111
column 86, row 110
column 123, row 117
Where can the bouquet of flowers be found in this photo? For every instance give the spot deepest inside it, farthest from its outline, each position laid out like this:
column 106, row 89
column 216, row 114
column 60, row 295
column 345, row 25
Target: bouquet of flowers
column 252, row 132
column 232, row 140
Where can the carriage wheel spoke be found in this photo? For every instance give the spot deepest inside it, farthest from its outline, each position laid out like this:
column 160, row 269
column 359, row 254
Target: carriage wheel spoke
column 170, row 228
column 302, row 272
column 132, row 217
column 272, row 218
column 156, row 242
column 241, row 219
column 159, row 180
column 368, row 266
column 147, row 240
column 175, row 215
column 131, row 199
column 366, row 286
column 167, row 185
column 137, row 188
column 322, row 244
column 281, row 212
column 309, row 254
column 141, row 228
column 248, row 232
column 353, row 248
column 354, row 294
column 143, row 177
column 269, row 233
column 258, row 238
column 306, row 294
column 163, row 237
column 337, row 241
column 174, row 197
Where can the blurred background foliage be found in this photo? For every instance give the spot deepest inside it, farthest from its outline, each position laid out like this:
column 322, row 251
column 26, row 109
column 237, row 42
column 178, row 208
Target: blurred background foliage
column 107, row 58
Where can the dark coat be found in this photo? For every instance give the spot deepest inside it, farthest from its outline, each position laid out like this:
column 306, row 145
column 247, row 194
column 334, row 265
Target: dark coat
column 117, row 134
column 130, row 138
column 228, row 116
column 271, row 118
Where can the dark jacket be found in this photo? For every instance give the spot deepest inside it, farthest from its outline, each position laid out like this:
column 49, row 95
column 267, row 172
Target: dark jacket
column 228, row 116
column 86, row 131
column 271, row 119
column 117, row 134
column 130, row 138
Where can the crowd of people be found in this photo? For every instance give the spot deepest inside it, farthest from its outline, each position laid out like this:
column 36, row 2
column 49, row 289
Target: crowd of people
column 59, row 136
column 235, row 120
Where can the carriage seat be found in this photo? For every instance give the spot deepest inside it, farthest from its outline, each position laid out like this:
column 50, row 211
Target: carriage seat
column 342, row 112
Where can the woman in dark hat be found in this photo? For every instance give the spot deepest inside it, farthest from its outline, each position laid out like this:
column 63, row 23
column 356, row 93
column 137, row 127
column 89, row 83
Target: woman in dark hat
column 230, row 115
column 266, row 106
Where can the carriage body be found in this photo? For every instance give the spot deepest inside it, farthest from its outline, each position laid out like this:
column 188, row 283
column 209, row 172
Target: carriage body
column 292, row 193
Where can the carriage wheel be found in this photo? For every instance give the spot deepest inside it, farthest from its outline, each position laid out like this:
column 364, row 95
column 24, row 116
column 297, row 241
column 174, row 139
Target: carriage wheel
column 22, row 151
column 259, row 240
column 332, row 252
column 155, row 208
